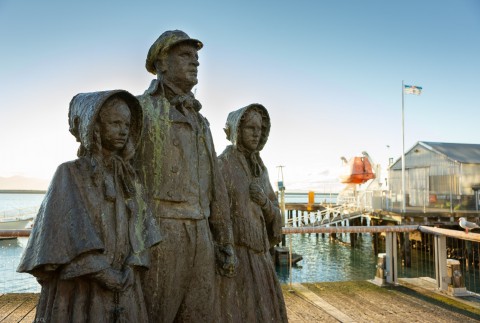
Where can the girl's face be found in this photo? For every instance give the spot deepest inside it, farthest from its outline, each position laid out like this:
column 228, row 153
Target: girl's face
column 114, row 126
column 251, row 130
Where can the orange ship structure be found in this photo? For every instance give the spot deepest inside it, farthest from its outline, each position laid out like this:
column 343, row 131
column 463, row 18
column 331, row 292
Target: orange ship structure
column 359, row 170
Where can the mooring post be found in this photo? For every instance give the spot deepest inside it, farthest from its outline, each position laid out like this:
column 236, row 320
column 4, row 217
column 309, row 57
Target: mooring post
column 392, row 258
column 440, row 250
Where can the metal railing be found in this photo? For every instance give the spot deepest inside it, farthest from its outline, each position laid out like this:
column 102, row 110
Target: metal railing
column 428, row 249
column 430, row 257
column 328, row 216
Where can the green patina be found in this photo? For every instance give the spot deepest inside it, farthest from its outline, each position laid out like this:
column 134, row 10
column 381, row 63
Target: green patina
column 157, row 116
column 142, row 212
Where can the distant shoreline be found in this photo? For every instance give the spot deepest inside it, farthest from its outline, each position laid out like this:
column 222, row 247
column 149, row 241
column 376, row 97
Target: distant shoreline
column 23, row 191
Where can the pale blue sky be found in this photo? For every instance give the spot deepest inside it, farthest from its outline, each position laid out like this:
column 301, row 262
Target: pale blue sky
column 329, row 72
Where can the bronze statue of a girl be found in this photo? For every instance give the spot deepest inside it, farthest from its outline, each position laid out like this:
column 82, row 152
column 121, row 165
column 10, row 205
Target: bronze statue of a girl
column 93, row 232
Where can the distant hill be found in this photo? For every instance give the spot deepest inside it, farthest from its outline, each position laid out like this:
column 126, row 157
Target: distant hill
column 23, row 183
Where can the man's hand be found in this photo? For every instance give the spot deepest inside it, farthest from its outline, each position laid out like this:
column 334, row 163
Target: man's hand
column 258, row 195
column 226, row 260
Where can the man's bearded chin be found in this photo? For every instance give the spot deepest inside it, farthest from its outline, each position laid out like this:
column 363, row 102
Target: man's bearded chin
column 189, row 83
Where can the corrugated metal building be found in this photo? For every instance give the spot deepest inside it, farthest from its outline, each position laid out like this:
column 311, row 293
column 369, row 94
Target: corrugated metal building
column 438, row 175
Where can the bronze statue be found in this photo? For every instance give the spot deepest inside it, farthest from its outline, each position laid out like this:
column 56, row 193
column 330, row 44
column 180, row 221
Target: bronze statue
column 178, row 165
column 93, row 232
column 255, row 294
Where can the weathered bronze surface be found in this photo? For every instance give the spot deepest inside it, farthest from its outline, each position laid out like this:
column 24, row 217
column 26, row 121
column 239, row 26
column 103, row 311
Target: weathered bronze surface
column 93, row 232
column 99, row 227
column 178, row 165
column 254, row 295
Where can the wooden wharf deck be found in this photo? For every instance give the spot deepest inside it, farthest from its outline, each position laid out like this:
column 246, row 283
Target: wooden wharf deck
column 414, row 300
column 17, row 307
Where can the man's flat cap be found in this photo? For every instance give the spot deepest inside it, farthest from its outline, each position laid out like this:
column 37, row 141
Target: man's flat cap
column 164, row 43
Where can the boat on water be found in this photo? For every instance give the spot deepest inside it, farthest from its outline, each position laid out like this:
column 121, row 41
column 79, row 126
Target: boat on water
column 282, row 256
column 15, row 223
column 18, row 219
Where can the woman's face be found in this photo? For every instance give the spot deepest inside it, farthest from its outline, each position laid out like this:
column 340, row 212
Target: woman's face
column 251, row 130
column 114, row 126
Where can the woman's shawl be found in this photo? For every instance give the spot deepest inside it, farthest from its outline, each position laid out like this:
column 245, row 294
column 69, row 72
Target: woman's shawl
column 68, row 224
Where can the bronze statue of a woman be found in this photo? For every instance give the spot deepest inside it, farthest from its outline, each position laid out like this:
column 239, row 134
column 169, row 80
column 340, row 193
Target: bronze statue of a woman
column 254, row 294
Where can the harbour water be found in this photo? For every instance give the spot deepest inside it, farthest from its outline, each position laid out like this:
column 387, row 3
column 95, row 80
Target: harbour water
column 313, row 251
column 9, row 202
column 324, row 259
column 329, row 260
column 11, row 281
column 11, row 249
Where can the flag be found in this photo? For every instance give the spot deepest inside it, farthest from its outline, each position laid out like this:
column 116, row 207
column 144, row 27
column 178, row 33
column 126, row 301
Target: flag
column 412, row 89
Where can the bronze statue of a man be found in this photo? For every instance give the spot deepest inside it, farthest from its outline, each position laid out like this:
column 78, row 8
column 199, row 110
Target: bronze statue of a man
column 177, row 164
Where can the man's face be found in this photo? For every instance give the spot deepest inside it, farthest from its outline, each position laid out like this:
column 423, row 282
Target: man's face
column 251, row 130
column 181, row 66
column 114, row 126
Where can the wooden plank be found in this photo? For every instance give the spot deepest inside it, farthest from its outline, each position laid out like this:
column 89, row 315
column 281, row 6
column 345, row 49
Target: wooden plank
column 9, row 233
column 393, row 303
column 319, row 302
column 3, row 300
column 29, row 317
column 451, row 233
column 10, row 302
column 329, row 302
column 299, row 310
column 26, row 305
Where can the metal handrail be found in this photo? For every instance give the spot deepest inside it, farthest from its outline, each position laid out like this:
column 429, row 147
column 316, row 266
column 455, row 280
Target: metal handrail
column 350, row 229
column 15, row 233
column 451, row 233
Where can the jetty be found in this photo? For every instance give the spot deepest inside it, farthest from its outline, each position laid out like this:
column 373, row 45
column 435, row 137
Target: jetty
column 386, row 297
column 413, row 300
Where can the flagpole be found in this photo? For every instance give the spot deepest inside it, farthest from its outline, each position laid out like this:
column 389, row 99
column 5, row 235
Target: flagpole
column 403, row 150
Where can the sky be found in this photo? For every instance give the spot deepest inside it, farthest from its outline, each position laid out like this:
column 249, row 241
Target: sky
column 329, row 72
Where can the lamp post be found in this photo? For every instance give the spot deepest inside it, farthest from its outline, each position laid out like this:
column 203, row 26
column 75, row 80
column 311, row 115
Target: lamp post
column 403, row 150
column 281, row 188
column 411, row 89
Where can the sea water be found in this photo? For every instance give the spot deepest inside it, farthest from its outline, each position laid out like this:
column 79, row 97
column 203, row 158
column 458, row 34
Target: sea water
column 11, row 249
column 11, row 281
column 324, row 259
column 9, row 202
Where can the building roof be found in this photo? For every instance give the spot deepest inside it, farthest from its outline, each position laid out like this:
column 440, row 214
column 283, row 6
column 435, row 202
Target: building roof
column 462, row 153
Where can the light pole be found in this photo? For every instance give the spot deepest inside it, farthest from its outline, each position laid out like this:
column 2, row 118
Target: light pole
column 281, row 188
column 403, row 150
column 416, row 90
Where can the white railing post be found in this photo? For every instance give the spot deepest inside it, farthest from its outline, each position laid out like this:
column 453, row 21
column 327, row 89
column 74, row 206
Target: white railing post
column 391, row 259
column 441, row 261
